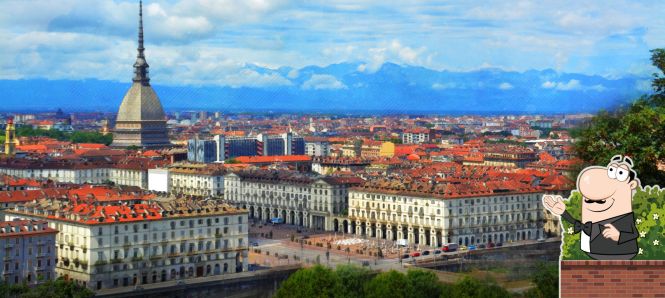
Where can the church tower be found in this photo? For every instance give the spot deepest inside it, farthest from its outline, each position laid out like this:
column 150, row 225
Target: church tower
column 10, row 138
column 141, row 120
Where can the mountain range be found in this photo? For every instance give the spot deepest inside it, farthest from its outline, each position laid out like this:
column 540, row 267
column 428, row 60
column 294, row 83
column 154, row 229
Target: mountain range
column 352, row 87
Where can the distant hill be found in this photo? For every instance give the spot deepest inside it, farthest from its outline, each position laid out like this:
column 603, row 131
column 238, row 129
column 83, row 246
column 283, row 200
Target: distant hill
column 349, row 87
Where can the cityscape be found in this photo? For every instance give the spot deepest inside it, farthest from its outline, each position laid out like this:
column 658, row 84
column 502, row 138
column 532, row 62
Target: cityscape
column 360, row 193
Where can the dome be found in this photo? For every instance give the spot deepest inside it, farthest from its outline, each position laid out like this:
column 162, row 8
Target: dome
column 413, row 156
column 140, row 104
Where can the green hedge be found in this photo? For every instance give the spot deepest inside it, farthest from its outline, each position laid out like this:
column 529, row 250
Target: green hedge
column 649, row 210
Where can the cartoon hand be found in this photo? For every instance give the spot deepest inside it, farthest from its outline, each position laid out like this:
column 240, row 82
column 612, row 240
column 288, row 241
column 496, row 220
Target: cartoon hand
column 554, row 204
column 611, row 232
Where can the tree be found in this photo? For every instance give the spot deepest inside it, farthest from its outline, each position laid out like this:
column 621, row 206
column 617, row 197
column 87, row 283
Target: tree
column 388, row 284
column 424, row 283
column 470, row 287
column 58, row 288
column 317, row 281
column 637, row 131
column 546, row 280
column 352, row 279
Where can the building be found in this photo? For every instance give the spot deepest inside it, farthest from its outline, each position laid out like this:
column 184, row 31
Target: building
column 10, row 138
column 301, row 163
column 317, row 148
column 329, row 165
column 508, row 156
column 436, row 214
column 315, row 202
column 141, row 120
column 204, row 151
column 106, row 246
column 221, row 148
column 196, row 179
column 28, row 254
column 415, row 136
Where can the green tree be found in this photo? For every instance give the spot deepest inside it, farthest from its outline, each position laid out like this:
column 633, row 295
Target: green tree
column 317, row 281
column 424, row 283
column 231, row 161
column 352, row 280
column 546, row 280
column 637, row 131
column 58, row 288
column 470, row 288
column 388, row 284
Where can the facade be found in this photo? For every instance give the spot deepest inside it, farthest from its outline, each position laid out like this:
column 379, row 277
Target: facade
column 108, row 246
column 417, row 136
column 28, row 254
column 320, row 149
column 204, row 151
column 310, row 201
column 221, row 148
column 141, row 120
column 329, row 165
column 196, row 179
column 509, row 156
column 433, row 216
column 128, row 172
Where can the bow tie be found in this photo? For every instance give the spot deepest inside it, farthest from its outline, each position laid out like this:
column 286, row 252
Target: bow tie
column 586, row 227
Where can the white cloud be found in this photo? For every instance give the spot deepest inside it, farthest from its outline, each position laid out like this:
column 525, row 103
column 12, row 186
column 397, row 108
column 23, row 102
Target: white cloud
column 293, row 74
column 505, row 86
column 548, row 85
column 319, row 82
column 440, row 86
column 598, row 87
column 572, row 85
column 251, row 78
column 393, row 51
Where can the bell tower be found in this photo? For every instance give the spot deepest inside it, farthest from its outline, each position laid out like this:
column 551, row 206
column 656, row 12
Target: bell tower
column 10, row 138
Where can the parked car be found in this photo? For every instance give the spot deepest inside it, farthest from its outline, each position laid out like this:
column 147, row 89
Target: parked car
column 426, row 253
column 463, row 248
column 499, row 244
column 405, row 256
column 450, row 247
column 255, row 244
column 365, row 263
column 437, row 251
column 415, row 254
column 481, row 246
column 541, row 239
column 490, row 245
column 472, row 247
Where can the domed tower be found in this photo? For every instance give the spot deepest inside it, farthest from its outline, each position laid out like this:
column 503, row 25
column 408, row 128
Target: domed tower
column 141, row 120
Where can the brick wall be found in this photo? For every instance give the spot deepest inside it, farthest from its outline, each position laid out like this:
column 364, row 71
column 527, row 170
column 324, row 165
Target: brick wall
column 612, row 279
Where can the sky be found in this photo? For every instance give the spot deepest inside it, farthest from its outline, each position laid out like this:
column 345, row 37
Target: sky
column 207, row 42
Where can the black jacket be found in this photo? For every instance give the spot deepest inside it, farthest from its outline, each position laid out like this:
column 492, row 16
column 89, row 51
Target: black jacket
column 628, row 234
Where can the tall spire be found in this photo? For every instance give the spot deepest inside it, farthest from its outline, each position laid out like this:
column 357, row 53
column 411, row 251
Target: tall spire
column 141, row 66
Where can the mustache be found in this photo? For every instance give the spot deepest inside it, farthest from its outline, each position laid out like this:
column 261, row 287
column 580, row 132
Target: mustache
column 588, row 201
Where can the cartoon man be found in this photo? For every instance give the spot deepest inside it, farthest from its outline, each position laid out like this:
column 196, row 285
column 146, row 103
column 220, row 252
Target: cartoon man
column 608, row 225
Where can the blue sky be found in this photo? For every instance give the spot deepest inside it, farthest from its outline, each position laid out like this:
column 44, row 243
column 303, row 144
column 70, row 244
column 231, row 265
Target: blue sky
column 206, row 42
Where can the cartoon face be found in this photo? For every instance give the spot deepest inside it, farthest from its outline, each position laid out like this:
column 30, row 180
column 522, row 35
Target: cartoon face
column 607, row 191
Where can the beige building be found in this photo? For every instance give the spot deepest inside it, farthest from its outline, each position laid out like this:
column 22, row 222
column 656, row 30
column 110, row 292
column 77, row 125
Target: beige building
column 433, row 215
column 28, row 252
column 107, row 246
column 316, row 202
column 197, row 179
